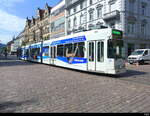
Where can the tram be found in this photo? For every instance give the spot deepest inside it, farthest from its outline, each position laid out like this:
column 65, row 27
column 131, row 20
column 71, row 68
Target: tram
column 99, row 50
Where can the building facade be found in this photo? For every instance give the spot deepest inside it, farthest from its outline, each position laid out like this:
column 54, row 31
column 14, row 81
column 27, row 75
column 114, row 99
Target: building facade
column 18, row 41
column 37, row 28
column 57, row 27
column 130, row 16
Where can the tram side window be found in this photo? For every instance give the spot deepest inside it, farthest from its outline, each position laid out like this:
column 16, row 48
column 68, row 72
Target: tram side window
column 55, row 50
column 27, row 52
column 21, row 53
column 46, row 51
column 100, row 52
column 111, row 50
column 51, row 54
column 68, row 50
column 60, row 50
column 74, row 50
column 91, row 51
column 80, row 50
column 35, row 52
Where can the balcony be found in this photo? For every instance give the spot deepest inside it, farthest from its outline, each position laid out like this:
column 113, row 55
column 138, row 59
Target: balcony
column 70, row 3
column 111, row 15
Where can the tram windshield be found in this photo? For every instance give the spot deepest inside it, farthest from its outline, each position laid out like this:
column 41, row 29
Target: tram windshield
column 115, row 49
column 26, row 52
column 35, row 52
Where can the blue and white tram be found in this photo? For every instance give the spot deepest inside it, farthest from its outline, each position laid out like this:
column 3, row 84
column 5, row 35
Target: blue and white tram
column 46, row 52
column 26, row 53
column 21, row 54
column 35, row 52
column 98, row 51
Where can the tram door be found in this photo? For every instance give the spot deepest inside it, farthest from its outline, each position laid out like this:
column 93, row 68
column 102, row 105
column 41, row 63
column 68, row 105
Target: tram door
column 52, row 54
column 95, row 55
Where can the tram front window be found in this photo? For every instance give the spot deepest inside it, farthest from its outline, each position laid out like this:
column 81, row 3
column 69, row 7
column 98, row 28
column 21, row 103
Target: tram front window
column 115, row 49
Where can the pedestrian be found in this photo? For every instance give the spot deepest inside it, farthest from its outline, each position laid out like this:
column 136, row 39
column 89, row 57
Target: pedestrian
column 5, row 53
column 17, row 54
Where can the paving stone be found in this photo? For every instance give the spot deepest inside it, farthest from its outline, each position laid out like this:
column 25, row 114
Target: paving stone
column 30, row 87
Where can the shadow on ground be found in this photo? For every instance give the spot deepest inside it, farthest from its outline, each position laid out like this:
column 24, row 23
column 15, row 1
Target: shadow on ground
column 127, row 74
column 11, row 106
column 13, row 61
column 131, row 73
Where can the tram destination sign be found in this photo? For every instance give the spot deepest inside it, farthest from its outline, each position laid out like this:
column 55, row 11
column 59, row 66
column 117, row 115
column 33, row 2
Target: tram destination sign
column 117, row 34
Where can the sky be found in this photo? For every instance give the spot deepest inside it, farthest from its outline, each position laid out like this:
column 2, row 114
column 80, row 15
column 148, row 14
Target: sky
column 13, row 14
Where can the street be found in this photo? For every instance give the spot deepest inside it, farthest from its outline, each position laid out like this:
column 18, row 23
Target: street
column 32, row 87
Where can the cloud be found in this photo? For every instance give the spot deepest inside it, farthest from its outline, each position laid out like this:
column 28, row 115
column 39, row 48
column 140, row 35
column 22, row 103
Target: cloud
column 10, row 25
column 11, row 22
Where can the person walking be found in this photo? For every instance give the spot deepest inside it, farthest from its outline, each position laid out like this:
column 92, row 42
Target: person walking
column 17, row 53
column 5, row 53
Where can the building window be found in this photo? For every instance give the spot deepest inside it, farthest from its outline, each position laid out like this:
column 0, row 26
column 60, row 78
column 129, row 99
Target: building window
column 142, row 46
column 131, row 6
column 91, row 14
column 69, row 12
column 69, row 23
column 75, row 22
column 130, row 28
column 81, row 18
column 143, row 28
column 112, row 7
column 74, row 9
column 91, row 2
column 143, row 9
column 112, row 25
column 91, row 26
column 99, row 12
column 81, row 5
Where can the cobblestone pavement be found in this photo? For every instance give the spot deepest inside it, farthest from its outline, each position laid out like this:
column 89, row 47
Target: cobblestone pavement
column 30, row 87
